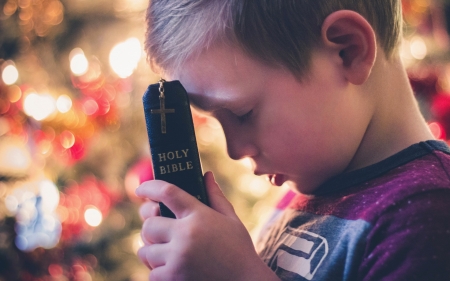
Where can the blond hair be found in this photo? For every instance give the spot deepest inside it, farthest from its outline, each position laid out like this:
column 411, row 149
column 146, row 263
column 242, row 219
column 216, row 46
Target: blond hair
column 277, row 32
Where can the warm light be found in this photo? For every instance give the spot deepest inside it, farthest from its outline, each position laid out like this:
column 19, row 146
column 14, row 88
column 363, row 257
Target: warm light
column 93, row 216
column 17, row 158
column 79, row 64
column 50, row 195
column 67, row 139
column 10, row 74
column 90, row 107
column 418, row 48
column 130, row 5
column 248, row 163
column 39, row 106
column 437, row 130
column 125, row 56
column 137, row 242
column 64, row 103
column 45, row 147
column 255, row 186
column 14, row 93
column 55, row 270
column 258, row 187
column 11, row 203
column 14, row 157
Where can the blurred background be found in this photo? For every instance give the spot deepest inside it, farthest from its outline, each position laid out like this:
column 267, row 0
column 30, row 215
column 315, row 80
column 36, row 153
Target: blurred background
column 73, row 143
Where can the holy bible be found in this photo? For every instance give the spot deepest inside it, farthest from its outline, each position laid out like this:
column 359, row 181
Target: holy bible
column 173, row 145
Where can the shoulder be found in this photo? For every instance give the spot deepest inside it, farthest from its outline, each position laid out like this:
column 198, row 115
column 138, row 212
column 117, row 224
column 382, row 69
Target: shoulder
column 410, row 239
column 410, row 234
column 414, row 181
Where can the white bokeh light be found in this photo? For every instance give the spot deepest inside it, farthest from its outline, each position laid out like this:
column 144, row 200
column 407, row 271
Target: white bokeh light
column 93, row 216
column 64, row 103
column 39, row 106
column 125, row 56
column 418, row 48
column 10, row 74
column 79, row 64
column 50, row 195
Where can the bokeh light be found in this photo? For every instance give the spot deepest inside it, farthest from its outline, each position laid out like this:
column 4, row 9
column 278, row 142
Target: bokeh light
column 10, row 74
column 14, row 93
column 79, row 64
column 93, row 216
column 125, row 56
column 90, row 107
column 418, row 48
column 437, row 130
column 64, row 103
column 34, row 204
column 39, row 106
column 137, row 242
column 50, row 195
column 14, row 156
column 67, row 139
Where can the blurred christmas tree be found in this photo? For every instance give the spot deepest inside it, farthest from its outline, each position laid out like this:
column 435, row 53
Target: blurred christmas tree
column 73, row 144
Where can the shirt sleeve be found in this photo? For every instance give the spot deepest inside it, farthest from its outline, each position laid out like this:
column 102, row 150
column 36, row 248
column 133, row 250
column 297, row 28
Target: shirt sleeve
column 410, row 240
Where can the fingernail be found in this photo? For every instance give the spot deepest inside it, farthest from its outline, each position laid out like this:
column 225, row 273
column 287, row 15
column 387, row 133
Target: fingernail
column 137, row 190
column 211, row 174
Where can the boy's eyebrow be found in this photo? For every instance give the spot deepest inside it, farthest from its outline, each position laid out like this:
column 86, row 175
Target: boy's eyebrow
column 203, row 103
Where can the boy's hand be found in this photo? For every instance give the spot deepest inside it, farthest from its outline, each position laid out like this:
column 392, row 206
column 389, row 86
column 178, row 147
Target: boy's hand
column 203, row 243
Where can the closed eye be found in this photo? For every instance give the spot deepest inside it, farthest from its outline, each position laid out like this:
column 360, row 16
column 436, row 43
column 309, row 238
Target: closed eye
column 245, row 117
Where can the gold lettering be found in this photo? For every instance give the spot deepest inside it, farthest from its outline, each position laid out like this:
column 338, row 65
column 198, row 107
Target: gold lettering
column 162, row 157
column 185, row 152
column 173, row 168
column 170, row 155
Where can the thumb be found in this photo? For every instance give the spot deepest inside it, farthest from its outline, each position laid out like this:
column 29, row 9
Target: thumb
column 217, row 199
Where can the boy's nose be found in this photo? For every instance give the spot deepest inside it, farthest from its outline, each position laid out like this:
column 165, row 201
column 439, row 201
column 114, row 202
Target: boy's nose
column 239, row 144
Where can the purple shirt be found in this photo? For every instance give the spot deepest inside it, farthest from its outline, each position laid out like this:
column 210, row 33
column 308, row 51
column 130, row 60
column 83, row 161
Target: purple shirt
column 388, row 221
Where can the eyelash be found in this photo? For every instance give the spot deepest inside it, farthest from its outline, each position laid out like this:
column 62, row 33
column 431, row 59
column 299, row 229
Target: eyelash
column 245, row 117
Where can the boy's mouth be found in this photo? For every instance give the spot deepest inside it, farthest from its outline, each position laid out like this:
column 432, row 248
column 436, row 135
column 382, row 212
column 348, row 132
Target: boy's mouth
column 276, row 179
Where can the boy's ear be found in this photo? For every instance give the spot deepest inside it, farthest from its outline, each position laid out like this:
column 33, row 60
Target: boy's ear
column 350, row 36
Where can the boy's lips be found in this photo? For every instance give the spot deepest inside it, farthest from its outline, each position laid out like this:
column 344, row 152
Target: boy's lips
column 276, row 179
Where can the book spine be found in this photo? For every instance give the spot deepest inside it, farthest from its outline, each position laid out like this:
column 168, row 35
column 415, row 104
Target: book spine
column 175, row 155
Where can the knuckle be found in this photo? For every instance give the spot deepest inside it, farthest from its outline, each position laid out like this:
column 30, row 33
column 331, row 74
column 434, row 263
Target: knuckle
column 155, row 209
column 162, row 274
column 168, row 190
column 146, row 232
column 154, row 276
column 149, row 209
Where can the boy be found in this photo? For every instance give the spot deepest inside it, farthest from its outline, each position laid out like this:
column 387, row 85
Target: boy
column 282, row 76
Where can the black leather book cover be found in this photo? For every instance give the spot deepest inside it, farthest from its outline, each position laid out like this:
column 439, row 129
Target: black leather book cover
column 173, row 145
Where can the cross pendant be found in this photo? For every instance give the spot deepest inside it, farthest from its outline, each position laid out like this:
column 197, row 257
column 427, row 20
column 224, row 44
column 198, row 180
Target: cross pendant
column 163, row 112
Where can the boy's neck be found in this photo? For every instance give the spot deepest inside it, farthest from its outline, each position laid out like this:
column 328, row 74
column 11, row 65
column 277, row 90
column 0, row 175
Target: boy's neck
column 396, row 122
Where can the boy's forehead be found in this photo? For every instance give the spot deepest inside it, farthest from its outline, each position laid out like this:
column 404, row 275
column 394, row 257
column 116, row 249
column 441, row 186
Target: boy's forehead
column 220, row 75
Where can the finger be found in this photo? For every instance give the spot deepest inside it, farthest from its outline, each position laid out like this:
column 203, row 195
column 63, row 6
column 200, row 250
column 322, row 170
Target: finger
column 156, row 230
column 153, row 256
column 162, row 273
column 177, row 200
column 149, row 209
column 141, row 255
column 216, row 198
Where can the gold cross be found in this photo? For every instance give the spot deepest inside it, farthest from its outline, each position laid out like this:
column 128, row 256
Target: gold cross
column 162, row 106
